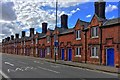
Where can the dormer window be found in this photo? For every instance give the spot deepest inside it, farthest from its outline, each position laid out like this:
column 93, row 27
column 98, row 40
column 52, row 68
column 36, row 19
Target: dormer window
column 94, row 32
column 48, row 39
column 78, row 35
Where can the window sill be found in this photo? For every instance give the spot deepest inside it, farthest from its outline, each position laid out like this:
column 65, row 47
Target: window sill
column 47, row 53
column 95, row 37
column 94, row 57
column 48, row 42
column 78, row 56
column 78, row 38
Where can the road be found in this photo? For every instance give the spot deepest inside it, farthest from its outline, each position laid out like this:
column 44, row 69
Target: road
column 14, row 66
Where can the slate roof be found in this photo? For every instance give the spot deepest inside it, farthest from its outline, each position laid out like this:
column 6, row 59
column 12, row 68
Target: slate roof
column 66, row 31
column 112, row 21
column 41, row 35
column 83, row 23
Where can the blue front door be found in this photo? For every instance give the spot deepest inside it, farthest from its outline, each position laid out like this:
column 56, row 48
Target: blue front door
column 69, row 54
column 110, row 57
column 62, row 52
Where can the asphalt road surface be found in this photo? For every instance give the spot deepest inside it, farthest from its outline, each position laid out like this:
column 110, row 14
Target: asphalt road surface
column 14, row 66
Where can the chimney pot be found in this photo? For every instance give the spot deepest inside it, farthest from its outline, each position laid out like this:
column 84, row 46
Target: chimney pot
column 8, row 38
column 31, row 32
column 100, row 8
column 23, row 33
column 44, row 27
column 64, row 21
column 17, row 36
column 12, row 37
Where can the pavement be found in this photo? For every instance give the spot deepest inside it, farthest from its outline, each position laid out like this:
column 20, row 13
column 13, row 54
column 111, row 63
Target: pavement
column 86, row 65
column 17, row 66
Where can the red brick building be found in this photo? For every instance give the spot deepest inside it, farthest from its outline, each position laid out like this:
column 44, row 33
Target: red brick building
column 94, row 42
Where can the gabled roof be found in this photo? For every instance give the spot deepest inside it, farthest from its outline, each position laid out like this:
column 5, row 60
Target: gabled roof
column 51, row 31
column 99, row 18
column 67, row 31
column 112, row 21
column 41, row 35
column 83, row 23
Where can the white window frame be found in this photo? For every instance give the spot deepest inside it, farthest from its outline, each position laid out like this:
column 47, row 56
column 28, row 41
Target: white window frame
column 78, row 34
column 36, row 40
column 48, row 40
column 21, row 42
column 55, row 38
column 79, row 52
column 32, row 41
column 24, row 42
column 48, row 50
column 94, row 52
column 36, row 50
column 24, row 50
column 56, row 50
column 94, row 32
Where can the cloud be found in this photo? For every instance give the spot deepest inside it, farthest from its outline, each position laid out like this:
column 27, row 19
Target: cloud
column 110, row 8
column 27, row 14
column 7, row 13
column 88, row 16
column 74, row 11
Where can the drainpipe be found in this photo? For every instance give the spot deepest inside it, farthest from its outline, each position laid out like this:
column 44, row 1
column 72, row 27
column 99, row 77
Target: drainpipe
column 100, row 45
column 85, row 47
column 85, row 33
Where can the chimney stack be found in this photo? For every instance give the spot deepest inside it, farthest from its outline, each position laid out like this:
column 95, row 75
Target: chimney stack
column 100, row 8
column 8, row 38
column 31, row 32
column 12, row 37
column 44, row 27
column 23, row 33
column 64, row 21
column 17, row 36
column 5, row 39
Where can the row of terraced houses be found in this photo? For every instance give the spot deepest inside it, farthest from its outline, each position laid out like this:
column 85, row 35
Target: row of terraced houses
column 94, row 42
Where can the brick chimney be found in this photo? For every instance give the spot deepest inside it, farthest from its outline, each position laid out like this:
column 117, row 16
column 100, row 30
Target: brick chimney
column 12, row 37
column 17, row 36
column 8, row 38
column 5, row 39
column 64, row 21
column 44, row 27
column 31, row 32
column 100, row 8
column 23, row 33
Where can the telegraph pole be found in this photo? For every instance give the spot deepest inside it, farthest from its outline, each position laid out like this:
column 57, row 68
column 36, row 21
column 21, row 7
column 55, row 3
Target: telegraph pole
column 55, row 34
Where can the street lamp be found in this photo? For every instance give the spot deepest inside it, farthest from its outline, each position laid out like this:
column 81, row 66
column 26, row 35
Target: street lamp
column 55, row 43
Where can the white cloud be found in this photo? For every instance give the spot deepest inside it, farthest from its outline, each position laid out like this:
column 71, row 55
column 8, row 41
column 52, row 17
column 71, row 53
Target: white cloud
column 27, row 33
column 110, row 8
column 74, row 11
column 29, row 14
column 88, row 16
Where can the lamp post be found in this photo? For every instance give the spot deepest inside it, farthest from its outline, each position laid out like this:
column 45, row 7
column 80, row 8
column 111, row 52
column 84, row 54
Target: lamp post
column 55, row 43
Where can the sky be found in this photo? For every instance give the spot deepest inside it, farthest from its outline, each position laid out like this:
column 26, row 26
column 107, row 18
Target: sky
column 20, row 15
